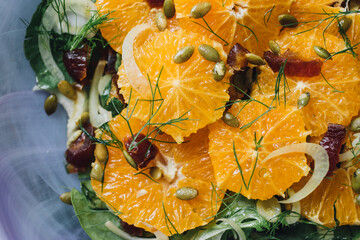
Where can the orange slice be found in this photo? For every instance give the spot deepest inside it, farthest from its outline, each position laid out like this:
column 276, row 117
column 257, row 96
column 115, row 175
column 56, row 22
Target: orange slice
column 259, row 180
column 139, row 198
column 189, row 94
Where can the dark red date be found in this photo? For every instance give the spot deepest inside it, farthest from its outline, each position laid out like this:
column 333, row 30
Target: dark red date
column 76, row 63
column 236, row 58
column 141, row 150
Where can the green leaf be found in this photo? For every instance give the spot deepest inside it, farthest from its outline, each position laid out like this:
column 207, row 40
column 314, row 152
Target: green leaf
column 92, row 199
column 92, row 221
column 114, row 105
column 45, row 80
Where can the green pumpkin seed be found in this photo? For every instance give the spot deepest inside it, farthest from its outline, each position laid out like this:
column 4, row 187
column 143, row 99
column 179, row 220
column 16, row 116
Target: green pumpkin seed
column 129, row 159
column 357, row 199
column 160, row 21
column 287, row 20
column 274, row 47
column 186, row 193
column 355, row 125
column 169, row 8
column 200, row 9
column 101, row 152
column 184, row 54
column 254, row 59
column 303, row 100
column 209, row 53
column 97, row 172
column 230, row 120
column 67, row 89
column 355, row 181
column 219, row 71
column 322, row 52
column 344, row 24
column 50, row 104
column 66, row 198
column 156, row 173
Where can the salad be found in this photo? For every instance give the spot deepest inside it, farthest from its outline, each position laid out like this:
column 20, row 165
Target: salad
column 235, row 119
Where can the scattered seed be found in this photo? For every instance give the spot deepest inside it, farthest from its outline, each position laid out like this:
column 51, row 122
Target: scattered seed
column 186, row 193
column 287, row 20
column 50, row 104
column 219, row 71
column 344, row 24
column 97, row 172
column 101, row 152
column 322, row 52
column 200, row 9
column 303, row 100
column 184, row 54
column 209, row 53
column 129, row 159
column 66, row 198
column 274, row 47
column 160, row 21
column 67, row 89
column 355, row 125
column 357, row 199
column 156, row 173
column 169, row 8
column 355, row 181
column 254, row 59
column 230, row 120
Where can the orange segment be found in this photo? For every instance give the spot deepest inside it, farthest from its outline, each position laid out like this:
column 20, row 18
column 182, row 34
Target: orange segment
column 336, row 191
column 147, row 204
column 188, row 90
column 279, row 127
column 325, row 106
column 262, row 18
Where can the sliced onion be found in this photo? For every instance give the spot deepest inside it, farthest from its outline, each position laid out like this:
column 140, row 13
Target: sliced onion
column 347, row 156
column 114, row 229
column 158, row 234
column 236, row 227
column 269, row 209
column 137, row 80
column 321, row 166
column 98, row 115
column 296, row 207
column 50, row 21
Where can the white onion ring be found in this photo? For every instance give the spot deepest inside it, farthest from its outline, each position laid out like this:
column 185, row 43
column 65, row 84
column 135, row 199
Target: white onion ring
column 236, row 227
column 347, row 156
column 132, row 71
column 321, row 166
column 296, row 207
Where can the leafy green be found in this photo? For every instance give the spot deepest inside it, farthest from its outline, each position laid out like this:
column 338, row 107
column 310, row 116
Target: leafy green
column 92, row 199
column 45, row 80
column 114, row 105
column 92, row 221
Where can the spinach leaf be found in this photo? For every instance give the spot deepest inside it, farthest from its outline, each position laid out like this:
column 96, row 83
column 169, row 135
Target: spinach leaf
column 92, row 199
column 114, row 105
column 92, row 221
column 45, row 79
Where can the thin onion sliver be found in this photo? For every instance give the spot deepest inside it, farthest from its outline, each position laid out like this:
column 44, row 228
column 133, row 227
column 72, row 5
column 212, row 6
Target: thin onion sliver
column 347, row 156
column 137, row 80
column 114, row 229
column 321, row 166
column 296, row 208
column 236, row 228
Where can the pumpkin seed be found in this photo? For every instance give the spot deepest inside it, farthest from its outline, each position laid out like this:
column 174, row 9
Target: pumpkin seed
column 274, row 47
column 209, row 53
column 156, row 173
column 186, row 193
column 344, row 24
column 254, row 59
column 355, row 181
column 160, row 21
column 169, row 8
column 129, row 159
column 101, row 152
column 97, row 172
column 66, row 198
column 67, row 89
column 230, row 120
column 287, row 20
column 200, row 9
column 50, row 104
column 357, row 199
column 184, row 54
column 322, row 52
column 219, row 71
column 355, row 125
column 303, row 100
column 73, row 136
